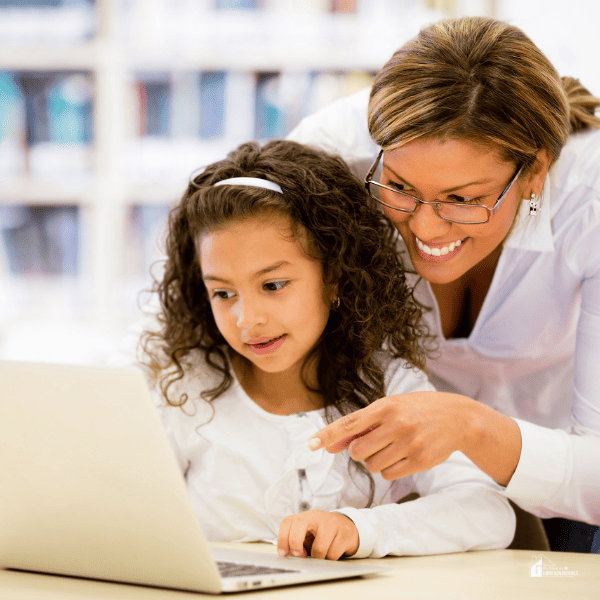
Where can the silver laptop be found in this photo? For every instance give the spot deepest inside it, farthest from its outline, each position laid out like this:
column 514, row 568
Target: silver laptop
column 90, row 488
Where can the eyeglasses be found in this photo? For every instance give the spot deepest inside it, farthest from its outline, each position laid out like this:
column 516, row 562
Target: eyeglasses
column 455, row 212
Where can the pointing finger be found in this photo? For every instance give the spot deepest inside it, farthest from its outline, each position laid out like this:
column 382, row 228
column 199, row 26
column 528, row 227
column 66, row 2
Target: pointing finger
column 338, row 435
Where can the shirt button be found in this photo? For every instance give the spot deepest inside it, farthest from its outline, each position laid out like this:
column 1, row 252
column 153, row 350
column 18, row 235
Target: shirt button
column 304, row 506
column 302, row 473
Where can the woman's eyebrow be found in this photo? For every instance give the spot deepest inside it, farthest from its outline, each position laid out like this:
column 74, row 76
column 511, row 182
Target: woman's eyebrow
column 447, row 191
column 273, row 267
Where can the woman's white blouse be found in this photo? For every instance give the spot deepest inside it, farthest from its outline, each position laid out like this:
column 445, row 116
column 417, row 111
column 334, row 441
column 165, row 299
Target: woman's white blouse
column 534, row 352
column 246, row 469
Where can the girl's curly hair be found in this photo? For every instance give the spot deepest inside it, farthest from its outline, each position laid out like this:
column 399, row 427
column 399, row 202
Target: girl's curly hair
column 330, row 208
column 356, row 247
column 335, row 219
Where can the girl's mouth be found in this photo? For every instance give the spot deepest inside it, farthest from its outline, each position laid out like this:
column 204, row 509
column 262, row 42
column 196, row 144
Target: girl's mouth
column 269, row 346
column 438, row 253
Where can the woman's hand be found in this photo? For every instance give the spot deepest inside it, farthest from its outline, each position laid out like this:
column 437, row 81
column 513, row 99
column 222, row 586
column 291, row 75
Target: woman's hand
column 407, row 433
column 318, row 534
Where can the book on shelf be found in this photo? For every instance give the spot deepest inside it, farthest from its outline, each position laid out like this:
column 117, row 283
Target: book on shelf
column 12, row 127
column 49, row 124
column 212, row 104
column 40, row 240
column 186, row 120
column 154, row 105
column 237, row 4
column 146, row 229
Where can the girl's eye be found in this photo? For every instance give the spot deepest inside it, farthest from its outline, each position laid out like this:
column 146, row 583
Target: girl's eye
column 274, row 286
column 222, row 294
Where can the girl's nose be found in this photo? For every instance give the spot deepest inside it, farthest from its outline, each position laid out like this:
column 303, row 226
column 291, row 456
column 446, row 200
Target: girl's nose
column 250, row 314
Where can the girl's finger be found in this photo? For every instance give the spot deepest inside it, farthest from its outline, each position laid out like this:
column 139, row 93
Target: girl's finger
column 299, row 529
column 322, row 541
column 338, row 547
column 283, row 544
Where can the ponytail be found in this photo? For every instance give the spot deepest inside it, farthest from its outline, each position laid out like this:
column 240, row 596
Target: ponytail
column 582, row 106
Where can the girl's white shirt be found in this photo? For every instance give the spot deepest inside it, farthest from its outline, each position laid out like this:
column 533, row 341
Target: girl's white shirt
column 246, row 469
column 534, row 352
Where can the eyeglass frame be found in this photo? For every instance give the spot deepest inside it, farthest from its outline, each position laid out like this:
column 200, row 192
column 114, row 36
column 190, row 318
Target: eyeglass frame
column 436, row 203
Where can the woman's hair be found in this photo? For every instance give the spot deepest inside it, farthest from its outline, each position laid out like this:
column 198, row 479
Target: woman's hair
column 480, row 80
column 333, row 217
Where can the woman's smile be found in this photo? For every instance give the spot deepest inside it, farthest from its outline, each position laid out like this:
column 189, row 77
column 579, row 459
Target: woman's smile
column 439, row 252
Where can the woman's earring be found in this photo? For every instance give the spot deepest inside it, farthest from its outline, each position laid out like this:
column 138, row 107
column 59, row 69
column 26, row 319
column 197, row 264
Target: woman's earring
column 335, row 303
column 534, row 205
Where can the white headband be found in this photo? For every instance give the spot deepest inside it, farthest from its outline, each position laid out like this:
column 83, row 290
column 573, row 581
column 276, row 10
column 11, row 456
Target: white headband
column 252, row 182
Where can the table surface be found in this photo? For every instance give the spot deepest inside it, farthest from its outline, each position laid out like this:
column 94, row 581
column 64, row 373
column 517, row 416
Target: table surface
column 504, row 574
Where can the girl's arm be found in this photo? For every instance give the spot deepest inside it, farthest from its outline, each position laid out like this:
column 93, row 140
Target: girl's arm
column 460, row 509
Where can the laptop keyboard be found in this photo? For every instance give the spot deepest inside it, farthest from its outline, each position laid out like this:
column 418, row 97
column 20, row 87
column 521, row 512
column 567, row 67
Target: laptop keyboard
column 229, row 569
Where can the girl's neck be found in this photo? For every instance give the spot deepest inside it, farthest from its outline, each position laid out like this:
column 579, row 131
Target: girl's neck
column 278, row 393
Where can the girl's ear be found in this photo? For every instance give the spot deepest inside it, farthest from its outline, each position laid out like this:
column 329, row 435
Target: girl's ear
column 334, row 291
column 331, row 277
column 331, row 288
column 538, row 173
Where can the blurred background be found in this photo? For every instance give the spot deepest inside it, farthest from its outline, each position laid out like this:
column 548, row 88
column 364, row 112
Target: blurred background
column 107, row 106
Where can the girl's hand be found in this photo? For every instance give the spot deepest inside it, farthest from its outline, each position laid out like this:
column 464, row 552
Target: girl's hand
column 407, row 433
column 318, row 534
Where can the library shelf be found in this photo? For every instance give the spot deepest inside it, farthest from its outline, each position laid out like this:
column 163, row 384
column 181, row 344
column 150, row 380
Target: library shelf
column 106, row 125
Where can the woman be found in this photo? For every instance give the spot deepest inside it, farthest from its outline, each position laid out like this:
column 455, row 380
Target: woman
column 488, row 164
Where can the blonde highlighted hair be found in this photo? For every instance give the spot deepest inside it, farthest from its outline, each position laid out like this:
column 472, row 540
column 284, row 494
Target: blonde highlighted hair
column 480, row 80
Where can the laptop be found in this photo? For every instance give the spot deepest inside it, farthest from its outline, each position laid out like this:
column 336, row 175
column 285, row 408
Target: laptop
column 91, row 488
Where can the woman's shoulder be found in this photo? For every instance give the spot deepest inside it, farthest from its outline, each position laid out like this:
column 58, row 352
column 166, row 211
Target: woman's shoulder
column 341, row 128
column 579, row 162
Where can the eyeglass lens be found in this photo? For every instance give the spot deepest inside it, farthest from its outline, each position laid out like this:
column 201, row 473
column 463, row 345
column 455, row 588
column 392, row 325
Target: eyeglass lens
column 467, row 213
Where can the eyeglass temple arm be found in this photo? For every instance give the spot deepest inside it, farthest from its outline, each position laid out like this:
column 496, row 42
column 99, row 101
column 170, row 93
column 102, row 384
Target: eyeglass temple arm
column 496, row 207
column 373, row 168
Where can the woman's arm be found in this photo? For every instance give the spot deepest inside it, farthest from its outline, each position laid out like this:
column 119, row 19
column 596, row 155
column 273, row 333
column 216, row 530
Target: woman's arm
column 559, row 472
column 407, row 433
column 548, row 472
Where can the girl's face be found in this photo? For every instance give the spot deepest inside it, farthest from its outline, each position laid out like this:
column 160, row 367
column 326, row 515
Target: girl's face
column 449, row 172
column 268, row 297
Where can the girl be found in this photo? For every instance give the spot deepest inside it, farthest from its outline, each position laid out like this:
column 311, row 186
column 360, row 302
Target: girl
column 469, row 125
column 281, row 288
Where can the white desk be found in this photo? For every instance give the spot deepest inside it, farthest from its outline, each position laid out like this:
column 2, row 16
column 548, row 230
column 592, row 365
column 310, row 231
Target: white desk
column 494, row 574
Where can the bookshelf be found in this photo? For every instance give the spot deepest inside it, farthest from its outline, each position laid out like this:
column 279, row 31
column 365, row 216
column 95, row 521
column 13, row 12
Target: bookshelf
column 107, row 106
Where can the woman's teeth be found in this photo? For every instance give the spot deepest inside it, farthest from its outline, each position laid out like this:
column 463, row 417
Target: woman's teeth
column 438, row 251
